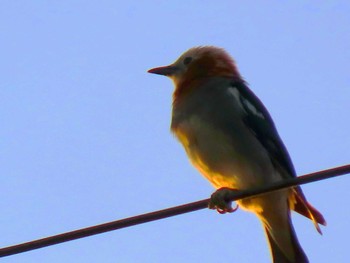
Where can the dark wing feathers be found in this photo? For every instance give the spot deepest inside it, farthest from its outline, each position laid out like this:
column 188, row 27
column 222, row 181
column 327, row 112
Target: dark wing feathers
column 259, row 121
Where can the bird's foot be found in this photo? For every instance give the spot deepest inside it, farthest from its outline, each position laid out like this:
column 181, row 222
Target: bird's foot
column 220, row 200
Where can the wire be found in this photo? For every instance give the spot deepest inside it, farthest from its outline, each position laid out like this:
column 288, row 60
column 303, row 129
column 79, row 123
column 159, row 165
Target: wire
column 160, row 214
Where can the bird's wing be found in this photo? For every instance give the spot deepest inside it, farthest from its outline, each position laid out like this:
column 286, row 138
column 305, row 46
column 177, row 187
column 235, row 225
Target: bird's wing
column 259, row 121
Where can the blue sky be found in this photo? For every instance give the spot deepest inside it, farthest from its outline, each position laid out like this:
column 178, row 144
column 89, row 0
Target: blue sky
column 85, row 130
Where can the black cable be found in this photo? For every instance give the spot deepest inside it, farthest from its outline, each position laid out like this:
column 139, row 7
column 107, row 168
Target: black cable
column 160, row 214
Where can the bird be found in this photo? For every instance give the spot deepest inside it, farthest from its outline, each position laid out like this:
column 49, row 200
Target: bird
column 230, row 137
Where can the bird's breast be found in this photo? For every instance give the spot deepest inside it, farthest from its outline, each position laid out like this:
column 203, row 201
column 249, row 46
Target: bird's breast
column 209, row 150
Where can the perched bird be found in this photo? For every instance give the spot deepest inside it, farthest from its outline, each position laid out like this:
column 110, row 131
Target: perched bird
column 230, row 138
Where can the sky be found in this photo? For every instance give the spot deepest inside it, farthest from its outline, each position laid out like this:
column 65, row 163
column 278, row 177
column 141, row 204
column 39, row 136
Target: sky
column 84, row 136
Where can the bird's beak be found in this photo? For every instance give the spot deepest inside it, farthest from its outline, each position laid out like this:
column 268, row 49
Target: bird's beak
column 165, row 71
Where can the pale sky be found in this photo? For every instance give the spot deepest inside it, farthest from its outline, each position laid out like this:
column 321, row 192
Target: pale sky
column 85, row 130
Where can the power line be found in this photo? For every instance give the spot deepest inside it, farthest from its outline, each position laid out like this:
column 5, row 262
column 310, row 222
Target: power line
column 160, row 214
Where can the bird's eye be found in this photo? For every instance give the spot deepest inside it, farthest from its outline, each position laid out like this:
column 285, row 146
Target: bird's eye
column 187, row 60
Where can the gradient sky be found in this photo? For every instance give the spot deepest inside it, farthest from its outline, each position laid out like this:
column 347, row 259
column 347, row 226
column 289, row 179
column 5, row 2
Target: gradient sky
column 85, row 139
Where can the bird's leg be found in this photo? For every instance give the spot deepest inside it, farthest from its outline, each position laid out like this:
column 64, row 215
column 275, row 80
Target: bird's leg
column 220, row 200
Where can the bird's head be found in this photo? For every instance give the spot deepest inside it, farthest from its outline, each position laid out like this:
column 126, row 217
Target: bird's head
column 197, row 64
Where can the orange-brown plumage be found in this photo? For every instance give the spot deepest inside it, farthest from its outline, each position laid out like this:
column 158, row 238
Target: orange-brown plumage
column 207, row 62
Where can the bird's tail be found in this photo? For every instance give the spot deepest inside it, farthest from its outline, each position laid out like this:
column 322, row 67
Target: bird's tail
column 285, row 248
column 298, row 203
column 284, row 244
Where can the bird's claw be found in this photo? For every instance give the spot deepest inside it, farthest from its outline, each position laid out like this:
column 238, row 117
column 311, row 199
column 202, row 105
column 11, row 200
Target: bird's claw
column 220, row 200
